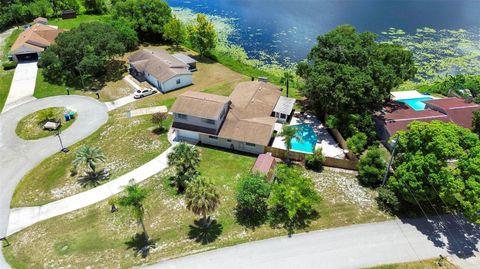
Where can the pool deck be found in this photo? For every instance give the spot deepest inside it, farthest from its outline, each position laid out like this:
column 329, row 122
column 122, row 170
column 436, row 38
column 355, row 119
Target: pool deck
column 325, row 141
column 408, row 95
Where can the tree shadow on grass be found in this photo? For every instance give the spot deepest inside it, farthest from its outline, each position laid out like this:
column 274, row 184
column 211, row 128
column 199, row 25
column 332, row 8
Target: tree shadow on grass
column 138, row 244
column 159, row 130
column 205, row 234
column 451, row 232
column 94, row 179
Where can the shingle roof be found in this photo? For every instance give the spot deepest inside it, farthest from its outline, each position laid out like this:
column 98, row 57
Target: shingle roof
column 36, row 38
column 458, row 110
column 199, row 104
column 284, row 105
column 184, row 58
column 158, row 63
column 264, row 163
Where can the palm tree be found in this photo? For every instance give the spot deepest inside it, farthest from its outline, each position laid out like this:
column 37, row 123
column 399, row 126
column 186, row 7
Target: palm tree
column 286, row 79
column 90, row 156
column 288, row 133
column 185, row 159
column 202, row 198
column 134, row 200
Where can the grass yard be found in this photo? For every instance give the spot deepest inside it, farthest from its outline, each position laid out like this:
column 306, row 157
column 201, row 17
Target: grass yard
column 423, row 264
column 31, row 126
column 72, row 23
column 127, row 143
column 6, row 78
column 9, row 42
column 97, row 238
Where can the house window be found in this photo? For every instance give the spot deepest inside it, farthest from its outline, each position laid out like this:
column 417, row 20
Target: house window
column 250, row 145
column 213, row 137
column 182, row 116
column 208, row 121
column 283, row 116
column 179, row 81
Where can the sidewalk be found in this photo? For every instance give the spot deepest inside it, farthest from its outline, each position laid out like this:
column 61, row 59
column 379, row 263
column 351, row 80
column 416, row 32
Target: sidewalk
column 21, row 218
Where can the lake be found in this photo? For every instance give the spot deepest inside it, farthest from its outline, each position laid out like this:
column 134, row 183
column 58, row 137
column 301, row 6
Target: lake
column 289, row 27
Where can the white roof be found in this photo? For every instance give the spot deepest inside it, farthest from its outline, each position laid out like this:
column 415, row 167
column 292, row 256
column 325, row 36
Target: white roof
column 284, row 105
column 407, row 95
column 184, row 58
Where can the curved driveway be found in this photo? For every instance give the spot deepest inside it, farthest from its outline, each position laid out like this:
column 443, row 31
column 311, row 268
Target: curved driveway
column 18, row 157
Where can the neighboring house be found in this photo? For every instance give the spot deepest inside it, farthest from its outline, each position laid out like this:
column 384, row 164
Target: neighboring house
column 265, row 164
column 33, row 41
column 41, row 20
column 69, row 14
column 160, row 69
column 397, row 116
column 458, row 110
column 243, row 121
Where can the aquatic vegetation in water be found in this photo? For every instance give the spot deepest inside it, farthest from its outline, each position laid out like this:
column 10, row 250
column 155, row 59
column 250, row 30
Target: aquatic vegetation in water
column 439, row 52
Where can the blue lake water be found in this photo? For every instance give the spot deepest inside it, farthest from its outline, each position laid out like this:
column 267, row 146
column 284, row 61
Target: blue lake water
column 289, row 27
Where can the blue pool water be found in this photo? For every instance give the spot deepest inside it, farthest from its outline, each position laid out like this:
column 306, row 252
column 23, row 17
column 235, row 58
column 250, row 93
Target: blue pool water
column 309, row 139
column 416, row 103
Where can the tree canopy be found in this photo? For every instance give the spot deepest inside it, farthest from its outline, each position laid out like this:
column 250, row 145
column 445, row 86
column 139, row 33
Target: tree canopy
column 83, row 52
column 148, row 16
column 438, row 164
column 252, row 195
column 202, row 198
column 185, row 159
column 175, row 31
column 349, row 72
column 203, row 35
column 372, row 167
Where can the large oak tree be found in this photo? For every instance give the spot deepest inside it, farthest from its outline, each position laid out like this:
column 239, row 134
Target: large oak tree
column 349, row 72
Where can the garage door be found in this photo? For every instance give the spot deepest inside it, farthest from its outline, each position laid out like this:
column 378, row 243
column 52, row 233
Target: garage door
column 27, row 57
column 188, row 134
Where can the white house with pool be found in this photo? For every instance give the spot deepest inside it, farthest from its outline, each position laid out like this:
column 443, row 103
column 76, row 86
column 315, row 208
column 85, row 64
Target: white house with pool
column 247, row 121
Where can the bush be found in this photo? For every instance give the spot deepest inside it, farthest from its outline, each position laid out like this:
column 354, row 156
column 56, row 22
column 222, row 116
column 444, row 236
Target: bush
column 387, row 199
column 476, row 121
column 314, row 161
column 331, row 122
column 252, row 194
column 357, row 143
column 9, row 65
column 371, row 167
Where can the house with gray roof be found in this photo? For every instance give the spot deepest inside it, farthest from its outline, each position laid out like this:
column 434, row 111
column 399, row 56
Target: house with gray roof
column 162, row 70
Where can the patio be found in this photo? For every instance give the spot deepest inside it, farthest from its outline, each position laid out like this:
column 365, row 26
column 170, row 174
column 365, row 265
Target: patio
column 325, row 141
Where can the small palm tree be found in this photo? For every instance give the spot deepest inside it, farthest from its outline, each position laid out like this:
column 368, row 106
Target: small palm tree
column 289, row 133
column 202, row 198
column 89, row 156
column 134, row 200
column 185, row 159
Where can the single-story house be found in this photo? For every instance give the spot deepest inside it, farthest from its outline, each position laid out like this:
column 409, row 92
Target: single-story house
column 243, row 121
column 160, row 69
column 265, row 164
column 396, row 116
column 33, row 41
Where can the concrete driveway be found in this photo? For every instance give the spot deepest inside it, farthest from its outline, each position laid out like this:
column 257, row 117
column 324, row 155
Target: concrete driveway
column 18, row 156
column 23, row 85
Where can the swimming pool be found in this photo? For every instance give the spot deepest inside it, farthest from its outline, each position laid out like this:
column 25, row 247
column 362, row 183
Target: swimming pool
column 416, row 103
column 308, row 141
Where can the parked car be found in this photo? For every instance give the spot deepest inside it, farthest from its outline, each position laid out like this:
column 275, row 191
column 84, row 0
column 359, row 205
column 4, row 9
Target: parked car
column 144, row 92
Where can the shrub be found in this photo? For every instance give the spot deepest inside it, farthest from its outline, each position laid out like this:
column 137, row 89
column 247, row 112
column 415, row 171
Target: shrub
column 331, row 122
column 159, row 118
column 476, row 121
column 252, row 194
column 9, row 65
column 387, row 199
column 357, row 143
column 314, row 161
column 371, row 167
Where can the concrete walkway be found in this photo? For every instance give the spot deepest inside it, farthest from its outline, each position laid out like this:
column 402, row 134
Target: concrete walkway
column 18, row 156
column 147, row 111
column 356, row 246
column 23, row 85
column 21, row 218
column 120, row 102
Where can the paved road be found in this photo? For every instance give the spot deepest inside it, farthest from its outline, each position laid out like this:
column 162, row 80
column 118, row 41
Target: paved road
column 23, row 85
column 349, row 247
column 18, row 156
column 21, row 218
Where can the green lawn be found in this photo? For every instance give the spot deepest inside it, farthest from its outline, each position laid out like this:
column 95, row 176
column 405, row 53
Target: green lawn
column 97, row 238
column 127, row 143
column 9, row 42
column 423, row 264
column 6, row 78
column 72, row 23
column 31, row 126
